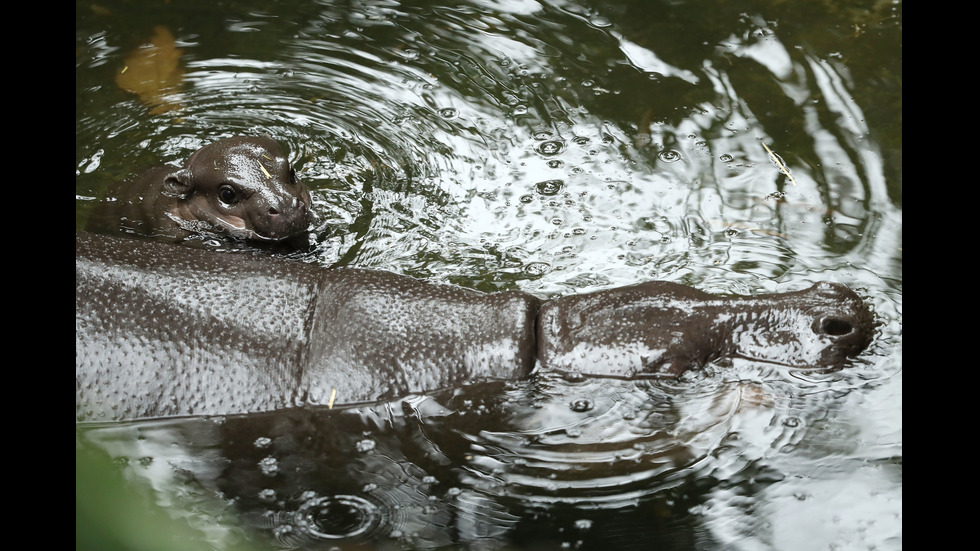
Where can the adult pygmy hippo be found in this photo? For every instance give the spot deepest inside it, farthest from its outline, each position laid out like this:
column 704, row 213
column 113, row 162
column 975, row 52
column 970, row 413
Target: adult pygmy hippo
column 241, row 187
column 166, row 330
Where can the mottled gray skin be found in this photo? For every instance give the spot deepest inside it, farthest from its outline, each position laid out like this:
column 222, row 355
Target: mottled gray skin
column 164, row 330
column 666, row 328
column 241, row 187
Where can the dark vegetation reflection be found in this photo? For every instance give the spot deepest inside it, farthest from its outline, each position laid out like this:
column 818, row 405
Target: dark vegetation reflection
column 551, row 147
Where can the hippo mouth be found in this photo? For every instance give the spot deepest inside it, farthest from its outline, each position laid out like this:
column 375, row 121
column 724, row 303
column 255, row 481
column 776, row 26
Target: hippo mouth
column 275, row 237
column 237, row 227
column 278, row 235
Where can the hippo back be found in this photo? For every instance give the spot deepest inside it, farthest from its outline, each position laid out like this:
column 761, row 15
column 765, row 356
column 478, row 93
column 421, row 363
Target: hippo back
column 165, row 330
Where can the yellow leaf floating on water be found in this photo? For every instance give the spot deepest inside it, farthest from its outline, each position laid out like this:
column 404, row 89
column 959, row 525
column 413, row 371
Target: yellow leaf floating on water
column 779, row 163
column 152, row 72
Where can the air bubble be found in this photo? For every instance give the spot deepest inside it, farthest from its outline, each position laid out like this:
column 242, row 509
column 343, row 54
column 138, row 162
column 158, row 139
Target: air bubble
column 581, row 405
column 550, row 187
column 550, row 148
column 536, row 268
column 269, row 466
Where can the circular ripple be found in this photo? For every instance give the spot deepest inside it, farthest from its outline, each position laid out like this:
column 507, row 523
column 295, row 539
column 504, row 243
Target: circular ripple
column 338, row 516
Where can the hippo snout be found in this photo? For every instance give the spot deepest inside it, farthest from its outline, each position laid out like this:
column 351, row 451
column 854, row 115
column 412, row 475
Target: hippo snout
column 834, row 326
column 840, row 338
column 291, row 208
column 844, row 314
column 286, row 219
column 844, row 334
column 841, row 323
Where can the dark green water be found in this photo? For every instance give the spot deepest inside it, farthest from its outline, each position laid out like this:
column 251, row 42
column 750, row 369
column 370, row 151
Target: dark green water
column 552, row 147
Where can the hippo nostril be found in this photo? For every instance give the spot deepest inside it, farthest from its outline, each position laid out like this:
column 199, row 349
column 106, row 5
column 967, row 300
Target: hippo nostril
column 835, row 326
column 273, row 211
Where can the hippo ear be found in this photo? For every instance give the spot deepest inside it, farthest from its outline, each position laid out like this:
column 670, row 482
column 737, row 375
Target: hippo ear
column 178, row 184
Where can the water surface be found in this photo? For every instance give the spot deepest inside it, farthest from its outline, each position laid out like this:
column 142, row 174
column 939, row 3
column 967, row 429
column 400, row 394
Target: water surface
column 556, row 148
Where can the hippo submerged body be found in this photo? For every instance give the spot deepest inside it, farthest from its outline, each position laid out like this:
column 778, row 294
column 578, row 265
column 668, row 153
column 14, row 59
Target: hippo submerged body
column 165, row 330
column 243, row 187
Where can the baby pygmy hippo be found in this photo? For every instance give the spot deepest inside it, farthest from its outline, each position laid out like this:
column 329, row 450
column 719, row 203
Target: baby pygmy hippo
column 243, row 187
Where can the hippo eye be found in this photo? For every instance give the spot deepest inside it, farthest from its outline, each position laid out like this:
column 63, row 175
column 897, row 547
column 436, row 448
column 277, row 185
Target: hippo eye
column 227, row 194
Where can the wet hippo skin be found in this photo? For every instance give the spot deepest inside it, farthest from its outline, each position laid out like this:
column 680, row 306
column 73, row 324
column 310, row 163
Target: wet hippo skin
column 243, row 187
column 165, row 330
column 660, row 327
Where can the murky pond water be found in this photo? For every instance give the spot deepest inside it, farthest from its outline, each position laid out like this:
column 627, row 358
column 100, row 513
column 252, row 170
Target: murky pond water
column 552, row 147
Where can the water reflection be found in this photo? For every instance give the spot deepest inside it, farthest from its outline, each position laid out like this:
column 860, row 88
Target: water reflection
column 360, row 94
column 709, row 460
column 552, row 147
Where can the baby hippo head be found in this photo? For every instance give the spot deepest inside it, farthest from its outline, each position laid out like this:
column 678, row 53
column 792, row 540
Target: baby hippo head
column 243, row 187
column 818, row 327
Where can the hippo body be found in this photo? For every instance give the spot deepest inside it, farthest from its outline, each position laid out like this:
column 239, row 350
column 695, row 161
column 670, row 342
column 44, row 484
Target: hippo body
column 167, row 330
column 243, row 187
column 163, row 330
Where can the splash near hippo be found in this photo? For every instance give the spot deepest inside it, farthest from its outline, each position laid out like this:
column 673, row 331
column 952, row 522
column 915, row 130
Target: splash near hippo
column 242, row 187
column 167, row 330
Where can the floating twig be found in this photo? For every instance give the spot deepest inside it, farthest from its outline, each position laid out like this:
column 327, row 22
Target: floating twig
column 779, row 163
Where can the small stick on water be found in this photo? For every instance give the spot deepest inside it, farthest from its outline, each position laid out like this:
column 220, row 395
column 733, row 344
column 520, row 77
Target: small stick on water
column 779, row 163
column 267, row 175
column 333, row 394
